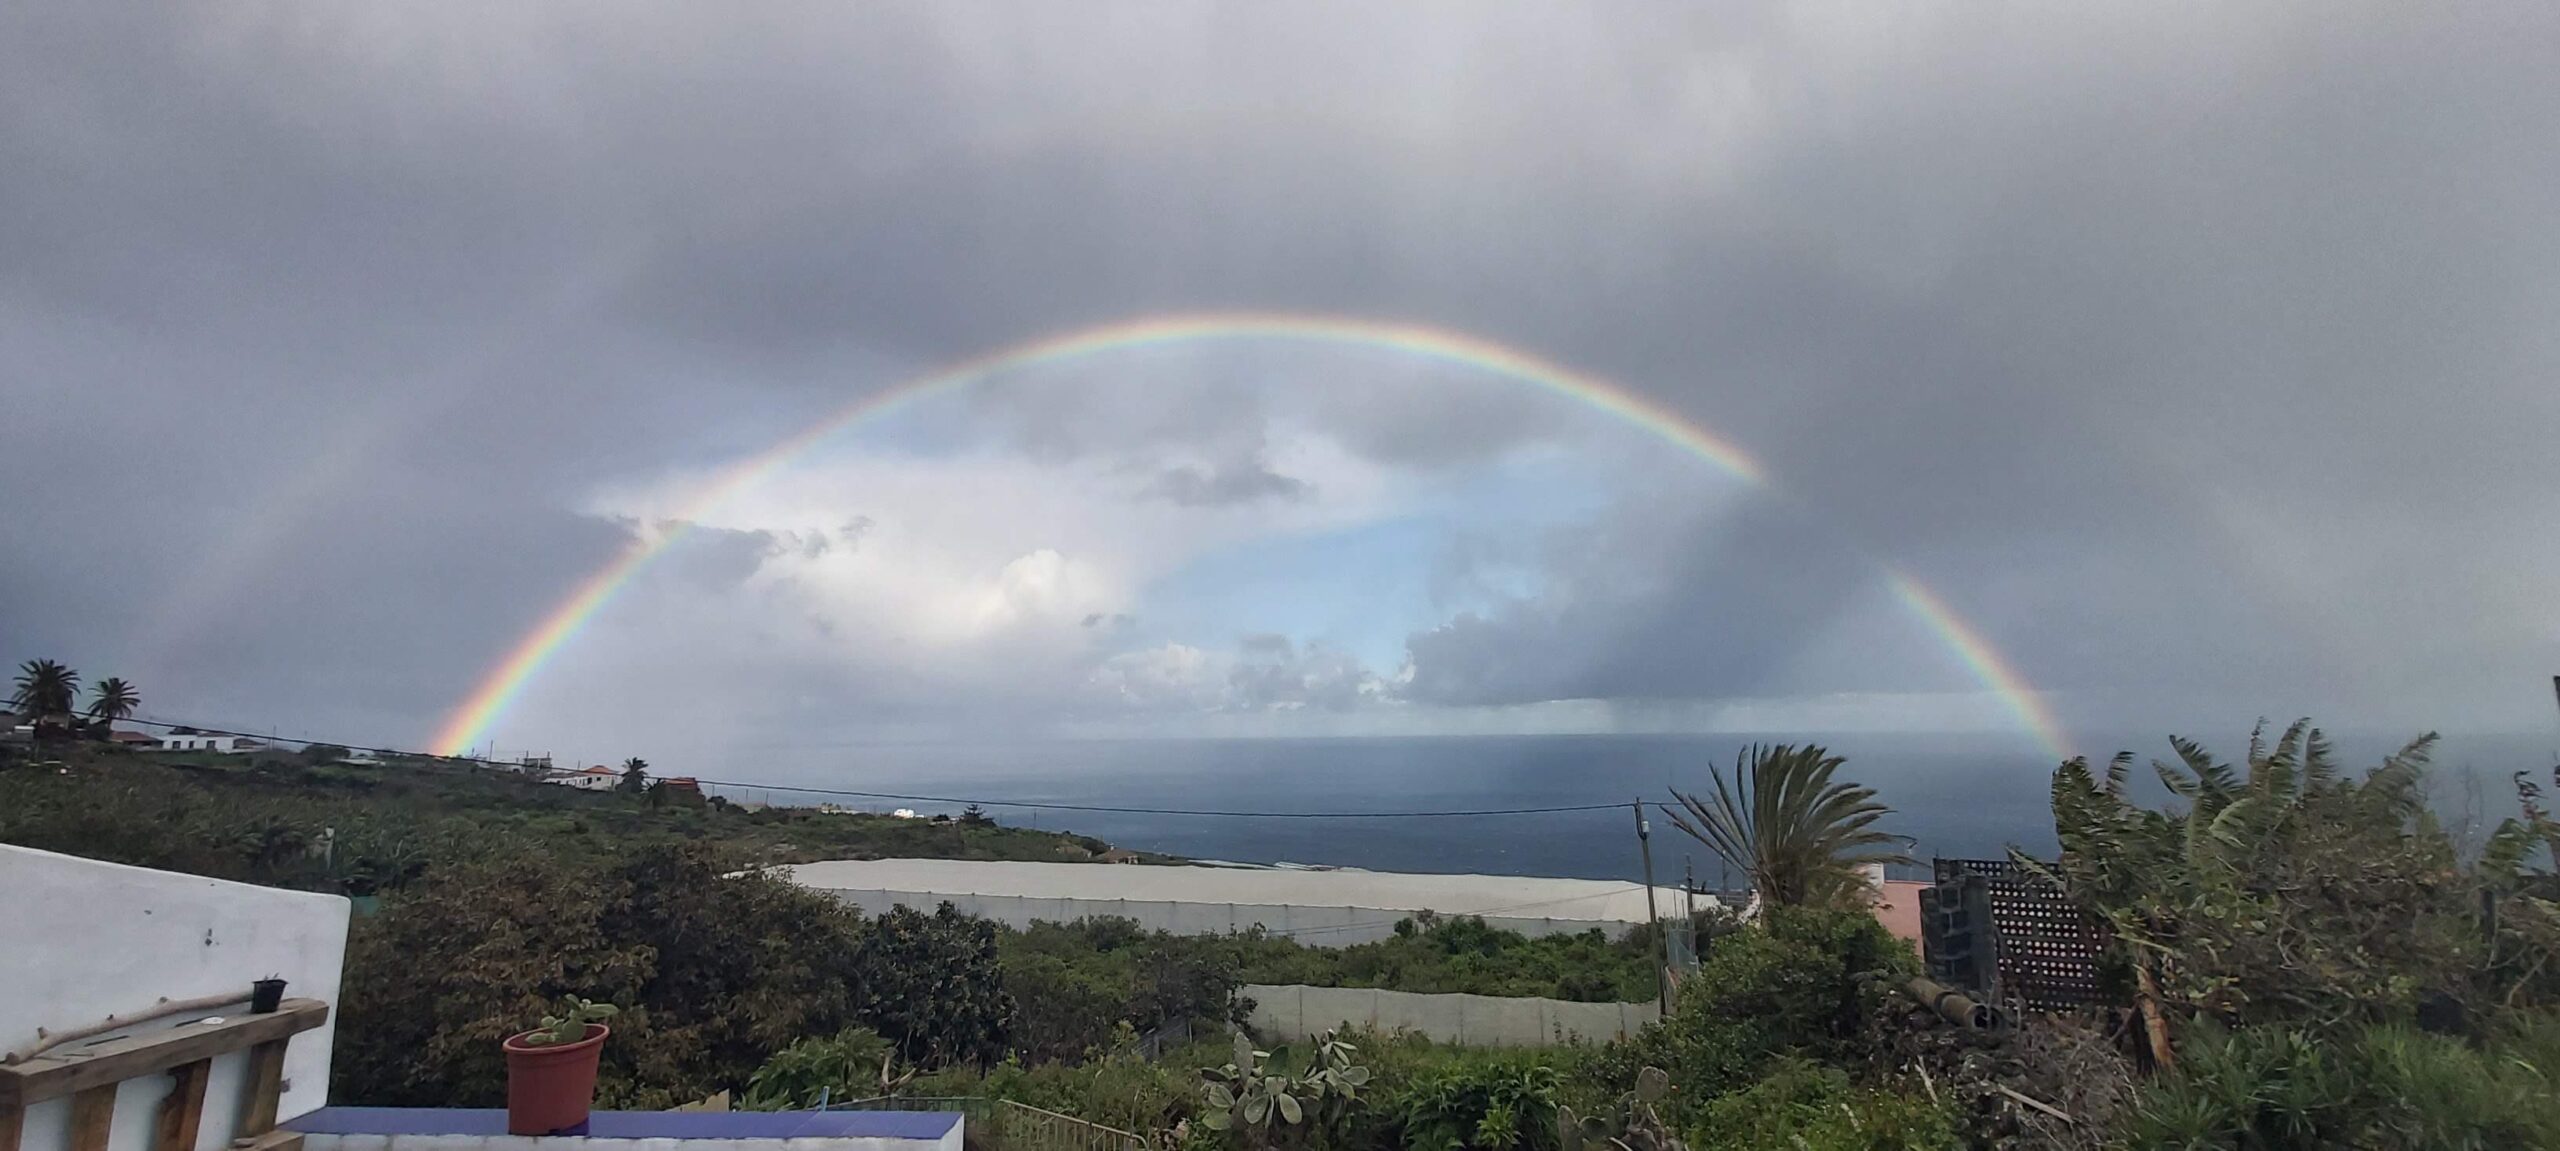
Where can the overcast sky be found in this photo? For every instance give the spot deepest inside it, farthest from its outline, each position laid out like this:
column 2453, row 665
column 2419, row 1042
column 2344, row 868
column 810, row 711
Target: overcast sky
column 2205, row 357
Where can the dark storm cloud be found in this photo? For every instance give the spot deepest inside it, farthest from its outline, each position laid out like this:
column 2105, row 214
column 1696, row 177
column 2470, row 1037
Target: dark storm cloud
column 1650, row 605
column 2171, row 343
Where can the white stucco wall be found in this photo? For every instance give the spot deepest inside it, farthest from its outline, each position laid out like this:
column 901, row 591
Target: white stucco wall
column 81, row 940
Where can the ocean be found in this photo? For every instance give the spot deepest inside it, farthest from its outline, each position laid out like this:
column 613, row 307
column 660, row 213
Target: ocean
column 1951, row 796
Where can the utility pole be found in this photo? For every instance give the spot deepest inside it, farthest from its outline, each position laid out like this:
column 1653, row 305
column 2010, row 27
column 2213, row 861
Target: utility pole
column 1689, row 891
column 1653, row 914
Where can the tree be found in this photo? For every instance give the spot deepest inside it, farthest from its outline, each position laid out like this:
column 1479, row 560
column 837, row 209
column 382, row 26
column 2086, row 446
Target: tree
column 635, row 775
column 45, row 691
column 1784, row 821
column 113, row 699
column 2280, row 890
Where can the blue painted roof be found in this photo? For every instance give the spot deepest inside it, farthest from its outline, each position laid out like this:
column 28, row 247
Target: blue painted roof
column 637, row 1124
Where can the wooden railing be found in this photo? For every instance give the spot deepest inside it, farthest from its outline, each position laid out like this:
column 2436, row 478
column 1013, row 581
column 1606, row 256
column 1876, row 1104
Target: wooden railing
column 1005, row 1125
column 89, row 1071
column 1027, row 1128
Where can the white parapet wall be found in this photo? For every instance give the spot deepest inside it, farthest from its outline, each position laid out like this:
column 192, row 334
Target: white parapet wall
column 82, row 940
column 1289, row 1011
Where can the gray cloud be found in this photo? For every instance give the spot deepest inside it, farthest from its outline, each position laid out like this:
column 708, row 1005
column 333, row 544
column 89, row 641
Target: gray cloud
column 1273, row 671
column 1243, row 482
column 1654, row 604
column 2199, row 356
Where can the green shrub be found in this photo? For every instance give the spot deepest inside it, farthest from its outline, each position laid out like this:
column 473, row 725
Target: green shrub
column 716, row 972
column 1810, row 1107
column 1792, row 985
column 1432, row 955
column 1074, row 983
column 855, row 1063
column 2386, row 1087
column 1483, row 1102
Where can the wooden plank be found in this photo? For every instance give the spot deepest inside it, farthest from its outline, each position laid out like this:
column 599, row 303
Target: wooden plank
column 93, row 1113
column 13, row 1118
column 77, row 1067
column 271, row 1141
column 182, row 1113
column 264, row 1089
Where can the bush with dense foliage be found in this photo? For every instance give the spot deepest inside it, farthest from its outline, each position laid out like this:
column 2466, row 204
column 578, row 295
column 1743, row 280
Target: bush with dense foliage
column 1463, row 954
column 2281, row 891
column 715, row 972
column 1479, row 1103
column 1076, row 984
column 1805, row 982
column 821, row 1071
column 2385, row 1086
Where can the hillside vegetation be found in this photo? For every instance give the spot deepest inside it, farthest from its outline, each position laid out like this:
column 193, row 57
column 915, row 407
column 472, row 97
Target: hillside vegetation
column 2298, row 958
column 276, row 819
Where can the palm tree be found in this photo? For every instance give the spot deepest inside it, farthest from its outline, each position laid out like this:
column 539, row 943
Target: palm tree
column 635, row 774
column 113, row 699
column 1784, row 821
column 46, row 690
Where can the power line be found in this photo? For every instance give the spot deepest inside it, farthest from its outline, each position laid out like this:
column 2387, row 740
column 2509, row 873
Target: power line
column 1035, row 805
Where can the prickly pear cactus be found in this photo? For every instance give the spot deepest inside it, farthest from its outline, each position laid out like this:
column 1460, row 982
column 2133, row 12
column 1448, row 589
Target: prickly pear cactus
column 1632, row 1126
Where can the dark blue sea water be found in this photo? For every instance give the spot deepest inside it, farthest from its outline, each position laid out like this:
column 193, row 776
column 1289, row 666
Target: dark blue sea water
column 1951, row 796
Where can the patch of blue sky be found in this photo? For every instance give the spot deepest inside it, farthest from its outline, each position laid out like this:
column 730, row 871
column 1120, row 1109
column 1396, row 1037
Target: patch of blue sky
column 1365, row 587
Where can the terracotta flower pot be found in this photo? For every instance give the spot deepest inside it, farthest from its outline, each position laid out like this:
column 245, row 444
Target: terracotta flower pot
column 550, row 1089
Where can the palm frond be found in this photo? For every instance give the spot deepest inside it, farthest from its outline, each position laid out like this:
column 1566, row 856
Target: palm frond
column 1787, row 822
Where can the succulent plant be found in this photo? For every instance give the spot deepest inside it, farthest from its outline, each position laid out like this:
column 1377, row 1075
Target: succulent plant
column 570, row 1025
column 1243, row 1096
column 1632, row 1126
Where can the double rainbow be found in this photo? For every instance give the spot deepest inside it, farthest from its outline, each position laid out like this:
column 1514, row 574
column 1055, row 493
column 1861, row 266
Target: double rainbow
column 471, row 720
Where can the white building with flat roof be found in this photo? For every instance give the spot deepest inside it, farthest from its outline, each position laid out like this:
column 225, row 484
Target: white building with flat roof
column 1332, row 908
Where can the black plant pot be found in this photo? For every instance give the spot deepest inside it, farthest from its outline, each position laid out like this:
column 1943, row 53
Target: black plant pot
column 265, row 995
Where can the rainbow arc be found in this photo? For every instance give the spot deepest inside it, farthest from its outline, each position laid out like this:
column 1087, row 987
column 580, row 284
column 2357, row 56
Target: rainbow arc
column 499, row 688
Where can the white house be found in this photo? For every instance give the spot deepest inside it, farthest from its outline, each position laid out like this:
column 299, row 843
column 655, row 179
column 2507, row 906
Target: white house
column 189, row 739
column 597, row 778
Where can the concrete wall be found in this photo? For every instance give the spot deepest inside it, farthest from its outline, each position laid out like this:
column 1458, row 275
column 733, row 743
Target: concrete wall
column 1292, row 1010
column 1313, row 926
column 81, row 940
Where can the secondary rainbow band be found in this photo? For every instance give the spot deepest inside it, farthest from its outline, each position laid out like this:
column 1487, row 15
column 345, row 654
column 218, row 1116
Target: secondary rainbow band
column 472, row 719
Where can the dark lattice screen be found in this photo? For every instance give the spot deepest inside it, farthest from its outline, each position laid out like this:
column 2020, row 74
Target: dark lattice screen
column 2048, row 948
